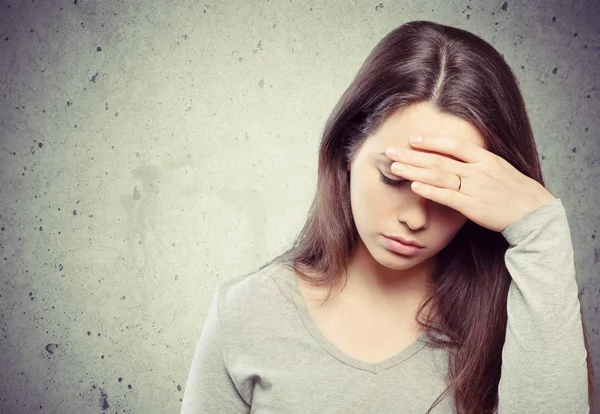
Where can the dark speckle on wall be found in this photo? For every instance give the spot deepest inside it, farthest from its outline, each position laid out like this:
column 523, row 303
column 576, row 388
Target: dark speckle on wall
column 51, row 348
column 574, row 149
column 103, row 400
column 379, row 7
column 554, row 19
column 505, row 6
column 93, row 79
column 74, row 1
column 98, row 49
column 178, row 387
column 555, row 70
column 40, row 145
column 74, row 212
column 120, row 379
column 60, row 267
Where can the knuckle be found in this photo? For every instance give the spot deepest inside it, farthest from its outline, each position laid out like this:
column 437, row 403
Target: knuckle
column 456, row 146
column 440, row 176
column 501, row 161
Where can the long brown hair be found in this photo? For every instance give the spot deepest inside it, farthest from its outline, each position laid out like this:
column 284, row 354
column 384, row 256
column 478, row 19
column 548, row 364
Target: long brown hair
column 462, row 75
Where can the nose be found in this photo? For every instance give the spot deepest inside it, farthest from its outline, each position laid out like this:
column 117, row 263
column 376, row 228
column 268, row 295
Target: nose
column 415, row 212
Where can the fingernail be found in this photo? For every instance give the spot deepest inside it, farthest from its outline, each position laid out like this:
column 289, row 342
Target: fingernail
column 391, row 152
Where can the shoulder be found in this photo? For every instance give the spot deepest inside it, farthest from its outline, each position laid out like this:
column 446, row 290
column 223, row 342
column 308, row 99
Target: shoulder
column 243, row 290
column 245, row 300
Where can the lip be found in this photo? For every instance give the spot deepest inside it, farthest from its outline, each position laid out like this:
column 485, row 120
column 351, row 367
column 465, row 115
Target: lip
column 404, row 241
column 400, row 248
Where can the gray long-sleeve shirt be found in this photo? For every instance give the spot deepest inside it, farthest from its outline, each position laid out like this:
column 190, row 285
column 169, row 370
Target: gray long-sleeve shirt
column 260, row 352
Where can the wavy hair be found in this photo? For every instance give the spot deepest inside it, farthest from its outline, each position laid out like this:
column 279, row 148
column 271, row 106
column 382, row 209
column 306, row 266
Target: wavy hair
column 462, row 75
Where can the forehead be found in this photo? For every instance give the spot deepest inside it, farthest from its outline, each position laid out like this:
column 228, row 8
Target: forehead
column 421, row 119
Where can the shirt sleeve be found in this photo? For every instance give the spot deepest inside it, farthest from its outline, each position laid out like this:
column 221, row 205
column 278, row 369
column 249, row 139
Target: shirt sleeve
column 209, row 387
column 544, row 366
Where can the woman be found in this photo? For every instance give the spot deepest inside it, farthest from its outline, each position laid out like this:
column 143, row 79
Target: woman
column 482, row 316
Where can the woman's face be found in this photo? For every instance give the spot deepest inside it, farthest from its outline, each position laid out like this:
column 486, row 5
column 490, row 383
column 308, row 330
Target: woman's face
column 382, row 209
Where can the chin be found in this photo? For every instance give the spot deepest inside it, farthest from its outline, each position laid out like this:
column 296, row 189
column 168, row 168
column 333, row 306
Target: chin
column 394, row 261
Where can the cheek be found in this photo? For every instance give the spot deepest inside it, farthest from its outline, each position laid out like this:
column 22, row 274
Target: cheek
column 360, row 202
column 448, row 223
column 370, row 197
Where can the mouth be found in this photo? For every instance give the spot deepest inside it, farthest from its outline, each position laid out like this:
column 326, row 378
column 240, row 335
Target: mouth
column 400, row 248
column 405, row 242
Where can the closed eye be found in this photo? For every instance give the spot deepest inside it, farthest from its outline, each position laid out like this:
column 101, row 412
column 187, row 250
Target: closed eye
column 390, row 182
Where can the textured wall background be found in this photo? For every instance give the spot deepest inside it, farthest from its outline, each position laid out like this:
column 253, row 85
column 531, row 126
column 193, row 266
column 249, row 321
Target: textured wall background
column 149, row 151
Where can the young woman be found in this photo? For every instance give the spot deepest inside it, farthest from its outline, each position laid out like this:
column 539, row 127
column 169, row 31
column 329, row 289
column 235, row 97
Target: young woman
column 451, row 263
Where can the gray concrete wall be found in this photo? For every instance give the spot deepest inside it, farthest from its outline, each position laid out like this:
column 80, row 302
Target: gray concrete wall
column 149, row 151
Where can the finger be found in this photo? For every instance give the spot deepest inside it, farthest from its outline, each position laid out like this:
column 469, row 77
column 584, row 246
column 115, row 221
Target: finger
column 429, row 160
column 436, row 178
column 445, row 196
column 458, row 148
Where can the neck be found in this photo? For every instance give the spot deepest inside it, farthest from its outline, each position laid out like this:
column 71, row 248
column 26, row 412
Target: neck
column 381, row 287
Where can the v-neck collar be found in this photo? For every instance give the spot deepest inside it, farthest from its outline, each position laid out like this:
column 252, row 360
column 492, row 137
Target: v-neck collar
column 310, row 325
